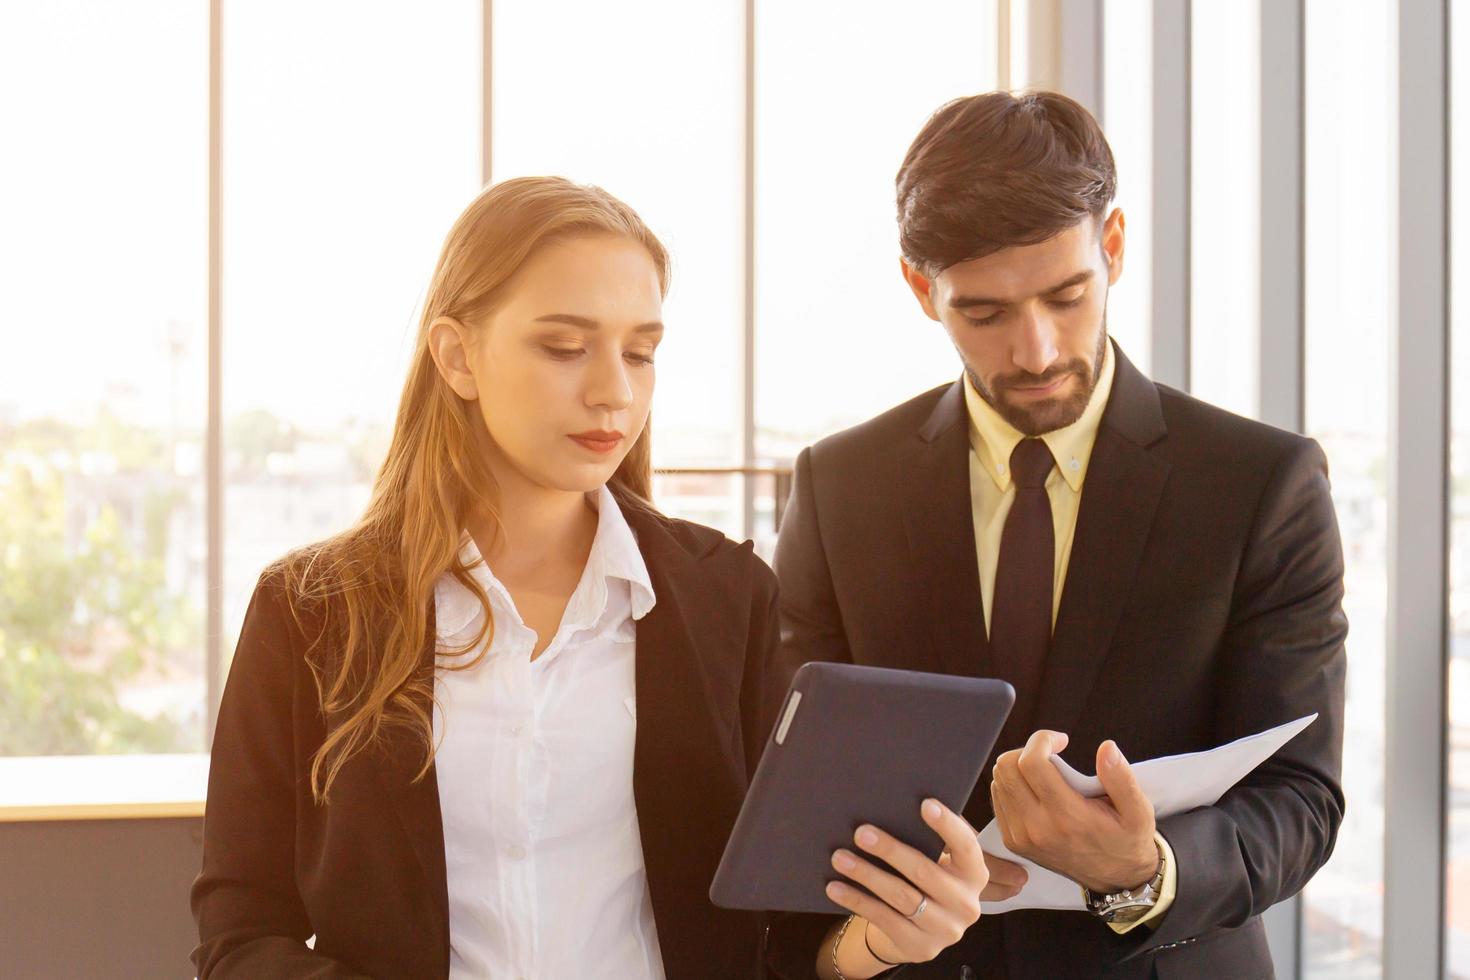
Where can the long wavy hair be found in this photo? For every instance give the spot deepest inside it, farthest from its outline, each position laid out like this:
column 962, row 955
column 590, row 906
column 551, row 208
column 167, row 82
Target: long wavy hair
column 366, row 595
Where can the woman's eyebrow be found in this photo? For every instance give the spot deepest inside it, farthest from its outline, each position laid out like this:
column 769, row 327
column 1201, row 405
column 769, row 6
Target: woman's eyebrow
column 586, row 323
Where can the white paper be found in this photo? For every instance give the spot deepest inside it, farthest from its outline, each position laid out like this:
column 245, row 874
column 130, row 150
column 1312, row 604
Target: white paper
column 1173, row 784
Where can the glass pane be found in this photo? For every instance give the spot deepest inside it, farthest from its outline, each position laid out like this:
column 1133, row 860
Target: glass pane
column 1128, row 121
column 102, row 306
column 657, row 119
column 1225, row 204
column 1350, row 307
column 1457, row 924
column 341, row 181
column 839, row 336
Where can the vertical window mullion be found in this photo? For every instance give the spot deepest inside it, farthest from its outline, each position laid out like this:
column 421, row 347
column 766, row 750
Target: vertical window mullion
column 1414, row 761
column 1171, row 140
column 214, row 426
column 1282, row 317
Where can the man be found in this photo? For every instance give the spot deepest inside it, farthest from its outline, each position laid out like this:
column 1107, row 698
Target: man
column 1152, row 574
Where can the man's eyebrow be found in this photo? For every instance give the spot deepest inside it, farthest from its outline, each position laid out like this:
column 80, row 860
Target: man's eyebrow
column 964, row 302
column 585, row 323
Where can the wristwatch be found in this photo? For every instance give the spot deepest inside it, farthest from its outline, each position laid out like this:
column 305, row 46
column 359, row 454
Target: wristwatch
column 1130, row 904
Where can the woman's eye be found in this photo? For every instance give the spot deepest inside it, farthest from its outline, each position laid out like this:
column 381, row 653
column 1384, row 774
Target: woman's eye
column 638, row 358
column 562, row 353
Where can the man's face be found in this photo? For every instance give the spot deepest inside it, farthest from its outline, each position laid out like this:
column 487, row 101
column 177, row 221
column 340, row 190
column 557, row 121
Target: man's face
column 1030, row 322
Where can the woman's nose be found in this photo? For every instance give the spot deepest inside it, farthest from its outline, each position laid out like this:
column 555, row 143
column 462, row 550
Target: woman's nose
column 608, row 386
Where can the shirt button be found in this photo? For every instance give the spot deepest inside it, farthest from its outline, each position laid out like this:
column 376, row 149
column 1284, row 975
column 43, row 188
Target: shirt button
column 515, row 729
column 517, row 852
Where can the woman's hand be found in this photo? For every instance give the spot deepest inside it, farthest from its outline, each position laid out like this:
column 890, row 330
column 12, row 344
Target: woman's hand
column 914, row 917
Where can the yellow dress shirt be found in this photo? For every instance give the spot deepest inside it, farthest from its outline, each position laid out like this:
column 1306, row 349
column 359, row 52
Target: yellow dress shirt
column 992, row 439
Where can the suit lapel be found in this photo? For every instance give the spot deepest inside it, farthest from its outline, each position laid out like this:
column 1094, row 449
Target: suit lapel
column 939, row 520
column 1123, row 486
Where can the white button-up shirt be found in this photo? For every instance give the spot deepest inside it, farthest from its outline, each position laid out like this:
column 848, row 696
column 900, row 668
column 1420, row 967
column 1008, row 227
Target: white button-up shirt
column 535, row 775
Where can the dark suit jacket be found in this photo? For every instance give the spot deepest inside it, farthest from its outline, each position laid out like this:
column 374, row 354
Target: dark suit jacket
column 366, row 873
column 1202, row 603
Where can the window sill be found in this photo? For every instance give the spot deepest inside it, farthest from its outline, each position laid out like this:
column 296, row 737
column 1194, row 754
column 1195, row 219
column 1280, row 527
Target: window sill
column 102, row 787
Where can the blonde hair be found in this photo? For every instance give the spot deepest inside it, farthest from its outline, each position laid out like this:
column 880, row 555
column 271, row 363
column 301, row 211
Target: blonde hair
column 367, row 646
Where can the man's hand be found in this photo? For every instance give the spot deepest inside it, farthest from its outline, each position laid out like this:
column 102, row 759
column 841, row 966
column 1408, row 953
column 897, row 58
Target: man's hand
column 1007, row 878
column 1105, row 844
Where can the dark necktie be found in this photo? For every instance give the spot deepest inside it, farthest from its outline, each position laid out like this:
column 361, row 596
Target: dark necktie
column 1020, row 620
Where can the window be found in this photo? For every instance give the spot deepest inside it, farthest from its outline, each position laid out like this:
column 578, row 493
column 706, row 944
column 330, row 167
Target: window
column 1225, row 204
column 1351, row 315
column 351, row 144
column 350, row 141
column 1128, row 123
column 840, row 337
column 102, row 310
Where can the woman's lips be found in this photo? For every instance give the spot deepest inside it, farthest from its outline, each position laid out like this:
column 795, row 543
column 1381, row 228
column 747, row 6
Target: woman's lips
column 598, row 443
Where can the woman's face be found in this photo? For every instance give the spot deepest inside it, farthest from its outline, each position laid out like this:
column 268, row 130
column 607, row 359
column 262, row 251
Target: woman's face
column 562, row 371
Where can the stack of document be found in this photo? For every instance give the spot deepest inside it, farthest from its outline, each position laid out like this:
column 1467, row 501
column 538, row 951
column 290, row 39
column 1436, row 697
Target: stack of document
column 1173, row 784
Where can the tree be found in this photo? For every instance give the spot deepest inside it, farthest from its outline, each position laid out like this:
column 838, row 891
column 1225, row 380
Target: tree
column 78, row 620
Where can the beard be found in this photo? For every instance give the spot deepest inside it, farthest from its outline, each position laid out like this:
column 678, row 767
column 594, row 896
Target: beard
column 1039, row 418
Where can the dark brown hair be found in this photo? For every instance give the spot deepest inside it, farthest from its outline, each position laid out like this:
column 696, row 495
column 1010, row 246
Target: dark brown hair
column 998, row 170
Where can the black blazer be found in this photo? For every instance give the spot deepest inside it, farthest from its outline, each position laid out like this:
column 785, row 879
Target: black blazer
column 365, row 874
column 1203, row 602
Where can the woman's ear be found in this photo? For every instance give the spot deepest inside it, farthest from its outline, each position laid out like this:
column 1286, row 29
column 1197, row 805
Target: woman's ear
column 449, row 342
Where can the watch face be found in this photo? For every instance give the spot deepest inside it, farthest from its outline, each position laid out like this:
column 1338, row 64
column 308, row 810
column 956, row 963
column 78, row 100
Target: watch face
column 1124, row 906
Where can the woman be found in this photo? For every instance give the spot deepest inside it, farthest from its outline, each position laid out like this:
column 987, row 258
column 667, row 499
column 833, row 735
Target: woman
column 502, row 726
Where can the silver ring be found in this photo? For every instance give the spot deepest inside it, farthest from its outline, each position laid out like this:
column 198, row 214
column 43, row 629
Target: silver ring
column 923, row 904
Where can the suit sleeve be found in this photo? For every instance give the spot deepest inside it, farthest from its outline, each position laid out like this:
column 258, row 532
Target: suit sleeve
column 1282, row 657
column 810, row 629
column 251, row 919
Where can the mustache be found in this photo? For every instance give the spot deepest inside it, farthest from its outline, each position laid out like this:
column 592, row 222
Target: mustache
column 1054, row 373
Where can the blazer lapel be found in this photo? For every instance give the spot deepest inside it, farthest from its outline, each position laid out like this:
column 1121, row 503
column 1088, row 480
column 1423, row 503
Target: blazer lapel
column 687, row 680
column 688, row 766
column 939, row 520
column 1123, row 486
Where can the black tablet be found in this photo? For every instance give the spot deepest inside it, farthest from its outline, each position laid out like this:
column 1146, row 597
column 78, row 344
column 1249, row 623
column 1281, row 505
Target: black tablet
column 854, row 745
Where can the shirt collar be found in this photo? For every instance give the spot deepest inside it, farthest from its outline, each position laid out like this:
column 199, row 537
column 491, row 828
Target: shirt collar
column 993, row 439
column 614, row 557
column 615, row 549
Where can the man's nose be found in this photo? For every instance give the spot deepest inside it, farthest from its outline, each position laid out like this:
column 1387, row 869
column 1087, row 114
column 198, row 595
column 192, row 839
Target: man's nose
column 1034, row 349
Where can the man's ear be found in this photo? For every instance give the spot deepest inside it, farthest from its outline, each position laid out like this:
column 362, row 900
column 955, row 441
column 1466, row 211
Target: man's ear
column 922, row 287
column 1112, row 244
column 449, row 342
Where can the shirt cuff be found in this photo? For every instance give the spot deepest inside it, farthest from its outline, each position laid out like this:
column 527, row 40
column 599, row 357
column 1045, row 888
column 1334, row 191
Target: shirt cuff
column 1166, row 892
